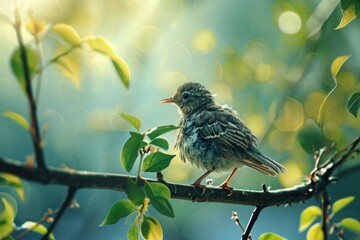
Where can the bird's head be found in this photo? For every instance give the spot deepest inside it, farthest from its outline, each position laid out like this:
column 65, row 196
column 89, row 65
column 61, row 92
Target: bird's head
column 189, row 97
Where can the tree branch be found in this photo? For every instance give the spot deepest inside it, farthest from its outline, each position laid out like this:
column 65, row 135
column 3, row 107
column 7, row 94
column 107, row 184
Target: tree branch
column 69, row 197
column 325, row 213
column 83, row 179
column 35, row 132
column 252, row 220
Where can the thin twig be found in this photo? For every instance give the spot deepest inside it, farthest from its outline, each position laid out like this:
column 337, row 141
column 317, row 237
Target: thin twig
column 235, row 217
column 339, row 232
column 252, row 220
column 39, row 77
column 64, row 206
column 44, row 219
column 35, row 133
column 325, row 213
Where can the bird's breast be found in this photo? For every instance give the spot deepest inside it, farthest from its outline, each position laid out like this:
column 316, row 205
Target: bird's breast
column 199, row 151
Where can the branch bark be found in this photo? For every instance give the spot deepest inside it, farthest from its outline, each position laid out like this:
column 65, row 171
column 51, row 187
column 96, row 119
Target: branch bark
column 84, row 179
column 254, row 217
column 69, row 197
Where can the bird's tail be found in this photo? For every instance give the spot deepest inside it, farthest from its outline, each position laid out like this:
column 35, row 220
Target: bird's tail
column 264, row 164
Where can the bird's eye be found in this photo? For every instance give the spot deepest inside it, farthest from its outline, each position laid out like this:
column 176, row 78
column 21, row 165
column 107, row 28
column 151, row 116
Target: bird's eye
column 185, row 95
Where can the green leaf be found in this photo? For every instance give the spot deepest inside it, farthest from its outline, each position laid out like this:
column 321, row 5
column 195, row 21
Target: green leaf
column 134, row 121
column 315, row 233
column 133, row 233
column 155, row 132
column 310, row 137
column 354, row 104
column 7, row 216
column 17, row 65
column 350, row 224
column 68, row 34
column 10, row 199
column 351, row 12
column 159, row 196
column 163, row 206
column 307, row 216
column 17, row 118
column 69, row 67
column 119, row 210
column 337, row 64
column 130, row 150
column 151, row 229
column 270, row 236
column 157, row 189
column 135, row 193
column 100, row 45
column 161, row 143
column 156, row 162
column 340, row 204
column 38, row 228
column 122, row 69
column 7, row 179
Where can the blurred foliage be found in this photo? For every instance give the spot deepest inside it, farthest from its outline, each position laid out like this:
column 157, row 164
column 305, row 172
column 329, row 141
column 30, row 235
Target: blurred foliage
column 311, row 213
column 272, row 61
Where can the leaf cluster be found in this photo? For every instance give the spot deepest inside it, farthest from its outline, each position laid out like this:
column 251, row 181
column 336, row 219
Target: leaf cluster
column 311, row 213
column 141, row 192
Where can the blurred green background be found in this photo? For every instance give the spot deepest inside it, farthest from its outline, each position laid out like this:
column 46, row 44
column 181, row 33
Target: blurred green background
column 270, row 60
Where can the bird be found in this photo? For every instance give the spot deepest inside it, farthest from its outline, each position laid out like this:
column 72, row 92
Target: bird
column 214, row 138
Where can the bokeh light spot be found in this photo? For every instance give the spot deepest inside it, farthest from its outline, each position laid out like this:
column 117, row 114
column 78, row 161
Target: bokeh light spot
column 332, row 130
column 256, row 123
column 171, row 79
column 293, row 176
column 278, row 138
column 223, row 93
column 291, row 117
column 263, row 73
column 204, row 41
column 289, row 22
column 312, row 104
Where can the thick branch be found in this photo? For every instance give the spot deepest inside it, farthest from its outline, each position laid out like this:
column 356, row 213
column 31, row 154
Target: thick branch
column 84, row 179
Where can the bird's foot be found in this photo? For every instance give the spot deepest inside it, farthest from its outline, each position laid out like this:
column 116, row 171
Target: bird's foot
column 226, row 187
column 203, row 188
column 160, row 177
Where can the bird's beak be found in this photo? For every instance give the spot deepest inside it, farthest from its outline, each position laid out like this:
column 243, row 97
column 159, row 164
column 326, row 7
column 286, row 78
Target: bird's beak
column 168, row 100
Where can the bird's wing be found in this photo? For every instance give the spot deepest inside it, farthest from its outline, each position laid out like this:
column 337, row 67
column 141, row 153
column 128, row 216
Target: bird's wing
column 221, row 125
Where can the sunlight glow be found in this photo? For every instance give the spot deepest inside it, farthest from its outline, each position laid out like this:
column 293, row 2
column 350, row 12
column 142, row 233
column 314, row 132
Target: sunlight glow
column 289, row 22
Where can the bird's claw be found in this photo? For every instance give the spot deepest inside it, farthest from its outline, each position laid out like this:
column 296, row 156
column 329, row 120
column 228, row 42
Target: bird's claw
column 226, row 187
column 200, row 186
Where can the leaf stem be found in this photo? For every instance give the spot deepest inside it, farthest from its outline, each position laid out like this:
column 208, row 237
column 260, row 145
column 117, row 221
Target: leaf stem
column 56, row 58
column 138, row 176
column 39, row 78
column 321, row 109
column 23, row 234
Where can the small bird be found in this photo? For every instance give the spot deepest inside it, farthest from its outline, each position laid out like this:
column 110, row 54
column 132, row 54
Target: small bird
column 214, row 138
